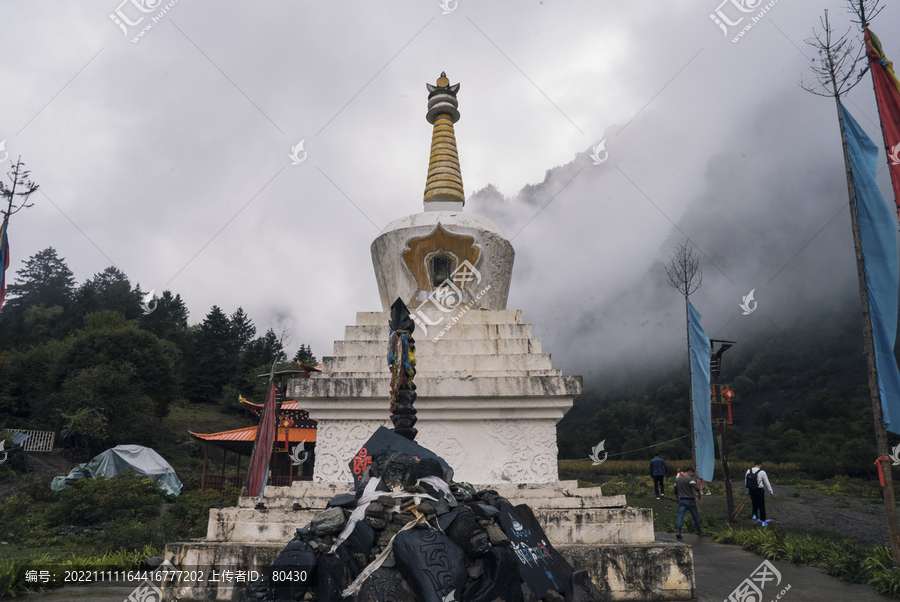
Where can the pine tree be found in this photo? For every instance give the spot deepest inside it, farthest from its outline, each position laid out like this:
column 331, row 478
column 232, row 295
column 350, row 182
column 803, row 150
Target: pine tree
column 45, row 280
column 305, row 356
column 108, row 290
column 242, row 328
column 213, row 358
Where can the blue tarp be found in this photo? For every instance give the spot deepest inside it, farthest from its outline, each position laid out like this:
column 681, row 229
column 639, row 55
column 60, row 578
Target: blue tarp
column 878, row 235
column 143, row 461
column 703, row 435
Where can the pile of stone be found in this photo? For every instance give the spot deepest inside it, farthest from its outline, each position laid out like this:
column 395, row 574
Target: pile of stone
column 411, row 534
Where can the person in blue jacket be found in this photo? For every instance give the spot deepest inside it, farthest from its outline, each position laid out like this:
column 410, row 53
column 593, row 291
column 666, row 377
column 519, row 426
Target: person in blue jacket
column 659, row 470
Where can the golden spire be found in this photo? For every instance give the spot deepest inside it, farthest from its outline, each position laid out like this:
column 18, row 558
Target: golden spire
column 444, row 184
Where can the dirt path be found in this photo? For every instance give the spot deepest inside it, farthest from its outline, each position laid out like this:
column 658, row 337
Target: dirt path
column 862, row 519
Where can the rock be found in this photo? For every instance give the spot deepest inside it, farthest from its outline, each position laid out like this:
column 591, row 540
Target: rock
column 385, row 585
column 430, row 467
column 343, row 500
column 527, row 594
column 582, row 589
column 192, row 449
column 540, row 565
column 500, row 579
column 497, row 536
column 484, row 511
column 297, row 555
column 374, row 510
column 479, row 544
column 426, row 509
column 376, row 523
column 467, row 533
column 334, row 577
column 328, row 522
column 400, row 470
column 475, row 571
column 553, row 596
column 390, row 529
column 387, row 501
column 445, row 520
column 354, row 551
column 432, row 564
column 152, row 562
column 401, row 518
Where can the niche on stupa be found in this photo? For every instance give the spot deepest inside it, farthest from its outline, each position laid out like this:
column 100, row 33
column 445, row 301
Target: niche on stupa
column 444, row 266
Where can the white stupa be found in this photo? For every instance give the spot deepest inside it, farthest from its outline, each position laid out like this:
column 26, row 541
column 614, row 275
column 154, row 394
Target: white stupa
column 488, row 398
column 488, row 403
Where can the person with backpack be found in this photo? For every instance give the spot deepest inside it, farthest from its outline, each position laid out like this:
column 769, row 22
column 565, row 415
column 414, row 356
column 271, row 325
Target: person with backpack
column 659, row 470
column 757, row 482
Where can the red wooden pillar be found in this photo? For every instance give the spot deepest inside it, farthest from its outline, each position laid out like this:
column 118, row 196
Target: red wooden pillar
column 203, row 478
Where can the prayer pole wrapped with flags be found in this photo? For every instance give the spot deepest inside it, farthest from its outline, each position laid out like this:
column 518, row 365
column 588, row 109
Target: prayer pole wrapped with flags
column 4, row 257
column 887, row 95
column 261, row 455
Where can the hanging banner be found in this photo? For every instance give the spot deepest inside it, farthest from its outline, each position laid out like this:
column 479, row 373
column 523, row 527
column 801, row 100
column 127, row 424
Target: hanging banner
column 878, row 236
column 700, row 377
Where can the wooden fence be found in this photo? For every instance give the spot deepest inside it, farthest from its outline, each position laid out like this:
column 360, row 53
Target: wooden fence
column 38, row 441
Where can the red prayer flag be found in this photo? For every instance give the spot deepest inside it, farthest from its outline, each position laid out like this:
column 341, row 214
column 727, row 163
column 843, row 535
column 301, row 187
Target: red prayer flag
column 887, row 94
column 265, row 440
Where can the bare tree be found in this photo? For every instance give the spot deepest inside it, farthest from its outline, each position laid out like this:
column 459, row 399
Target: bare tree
column 835, row 68
column 686, row 276
column 22, row 188
column 684, row 270
column 865, row 11
column 836, row 72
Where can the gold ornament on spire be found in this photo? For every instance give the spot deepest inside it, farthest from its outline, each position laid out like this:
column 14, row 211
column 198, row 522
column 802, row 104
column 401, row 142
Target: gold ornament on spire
column 444, row 182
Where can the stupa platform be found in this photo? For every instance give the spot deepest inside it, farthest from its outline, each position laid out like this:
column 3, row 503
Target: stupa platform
column 596, row 533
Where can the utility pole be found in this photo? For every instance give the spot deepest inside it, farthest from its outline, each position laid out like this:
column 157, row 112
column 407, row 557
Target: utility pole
column 715, row 366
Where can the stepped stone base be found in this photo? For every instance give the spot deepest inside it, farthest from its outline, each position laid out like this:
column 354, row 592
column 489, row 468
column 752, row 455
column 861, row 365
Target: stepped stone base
column 634, row 572
column 488, row 398
column 596, row 533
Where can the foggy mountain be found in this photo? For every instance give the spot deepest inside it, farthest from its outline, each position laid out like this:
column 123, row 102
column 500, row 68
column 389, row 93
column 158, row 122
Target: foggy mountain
column 772, row 217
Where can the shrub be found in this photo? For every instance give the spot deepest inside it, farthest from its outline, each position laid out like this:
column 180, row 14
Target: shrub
column 189, row 515
column 129, row 535
column 90, row 501
column 887, row 582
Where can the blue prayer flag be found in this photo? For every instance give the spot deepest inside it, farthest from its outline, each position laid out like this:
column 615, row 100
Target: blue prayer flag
column 700, row 397
column 878, row 235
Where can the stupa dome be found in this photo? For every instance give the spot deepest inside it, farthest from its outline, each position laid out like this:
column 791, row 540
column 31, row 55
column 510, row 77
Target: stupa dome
column 442, row 259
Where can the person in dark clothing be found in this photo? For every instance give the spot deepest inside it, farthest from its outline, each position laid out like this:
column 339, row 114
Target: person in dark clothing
column 757, row 482
column 659, row 470
column 687, row 491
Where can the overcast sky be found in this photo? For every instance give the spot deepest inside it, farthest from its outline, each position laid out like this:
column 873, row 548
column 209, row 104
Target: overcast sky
column 169, row 156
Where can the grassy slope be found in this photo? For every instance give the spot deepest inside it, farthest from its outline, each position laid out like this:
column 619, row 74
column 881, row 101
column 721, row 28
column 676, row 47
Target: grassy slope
column 169, row 438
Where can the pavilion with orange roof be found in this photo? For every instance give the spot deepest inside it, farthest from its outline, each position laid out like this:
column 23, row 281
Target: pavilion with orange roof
column 293, row 455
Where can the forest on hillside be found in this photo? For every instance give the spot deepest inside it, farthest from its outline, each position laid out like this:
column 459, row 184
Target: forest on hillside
column 802, row 396
column 89, row 359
